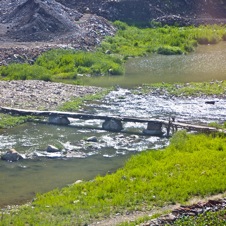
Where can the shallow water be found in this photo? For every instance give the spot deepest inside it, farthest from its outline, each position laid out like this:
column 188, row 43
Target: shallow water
column 205, row 64
column 41, row 172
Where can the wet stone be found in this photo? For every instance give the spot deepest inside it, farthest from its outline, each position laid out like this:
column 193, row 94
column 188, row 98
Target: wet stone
column 112, row 125
column 52, row 149
column 154, row 129
column 59, row 120
column 11, row 156
column 92, row 139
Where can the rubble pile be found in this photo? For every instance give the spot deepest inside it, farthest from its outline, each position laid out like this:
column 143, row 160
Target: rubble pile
column 192, row 210
column 30, row 27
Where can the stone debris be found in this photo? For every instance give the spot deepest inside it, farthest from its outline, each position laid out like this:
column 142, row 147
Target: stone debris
column 30, row 27
column 192, row 210
column 40, row 95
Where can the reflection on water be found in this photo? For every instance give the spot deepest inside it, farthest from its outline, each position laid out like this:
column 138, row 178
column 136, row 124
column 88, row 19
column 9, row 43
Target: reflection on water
column 205, row 64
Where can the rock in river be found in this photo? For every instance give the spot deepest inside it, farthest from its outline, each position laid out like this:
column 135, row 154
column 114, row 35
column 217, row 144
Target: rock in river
column 11, row 155
column 92, row 139
column 52, row 149
column 59, row 120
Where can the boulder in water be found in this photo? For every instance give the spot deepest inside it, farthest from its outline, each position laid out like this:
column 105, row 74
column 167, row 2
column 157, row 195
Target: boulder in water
column 112, row 125
column 11, row 156
column 59, row 120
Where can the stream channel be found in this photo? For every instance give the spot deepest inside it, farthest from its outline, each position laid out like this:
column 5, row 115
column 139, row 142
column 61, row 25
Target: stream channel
column 41, row 171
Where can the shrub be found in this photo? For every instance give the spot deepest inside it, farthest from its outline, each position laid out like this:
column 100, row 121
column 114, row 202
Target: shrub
column 169, row 50
column 120, row 25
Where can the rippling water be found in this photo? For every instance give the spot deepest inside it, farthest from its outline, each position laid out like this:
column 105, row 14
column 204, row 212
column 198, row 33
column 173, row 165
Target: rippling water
column 205, row 64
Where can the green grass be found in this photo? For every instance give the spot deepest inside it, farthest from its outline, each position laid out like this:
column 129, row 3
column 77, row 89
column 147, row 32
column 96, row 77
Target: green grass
column 169, row 40
column 60, row 64
column 7, row 121
column 188, row 89
column 75, row 104
column 108, row 58
column 193, row 165
column 209, row 218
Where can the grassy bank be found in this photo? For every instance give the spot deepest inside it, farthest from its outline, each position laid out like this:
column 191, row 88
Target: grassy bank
column 77, row 103
column 193, row 165
column 208, row 218
column 168, row 40
column 61, row 64
column 108, row 59
column 7, row 121
column 187, row 89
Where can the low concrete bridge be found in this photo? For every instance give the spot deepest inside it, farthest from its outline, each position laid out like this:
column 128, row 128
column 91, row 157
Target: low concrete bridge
column 113, row 123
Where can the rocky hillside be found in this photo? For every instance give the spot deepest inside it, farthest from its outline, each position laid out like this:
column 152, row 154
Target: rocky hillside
column 82, row 24
column 146, row 10
column 44, row 20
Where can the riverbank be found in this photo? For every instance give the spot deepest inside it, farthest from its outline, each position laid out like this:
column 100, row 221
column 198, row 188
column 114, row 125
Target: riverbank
column 40, row 95
column 34, row 94
column 149, row 180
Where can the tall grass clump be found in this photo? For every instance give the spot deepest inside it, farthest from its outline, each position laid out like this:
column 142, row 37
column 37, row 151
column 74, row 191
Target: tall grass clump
column 60, row 61
column 193, row 165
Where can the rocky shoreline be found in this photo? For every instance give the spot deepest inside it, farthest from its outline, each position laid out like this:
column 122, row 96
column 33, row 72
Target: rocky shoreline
column 34, row 94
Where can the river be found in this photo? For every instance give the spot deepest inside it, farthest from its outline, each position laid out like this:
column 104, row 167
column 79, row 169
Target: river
column 41, row 172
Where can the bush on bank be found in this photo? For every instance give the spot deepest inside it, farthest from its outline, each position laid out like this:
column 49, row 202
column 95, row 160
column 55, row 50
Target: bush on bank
column 193, row 165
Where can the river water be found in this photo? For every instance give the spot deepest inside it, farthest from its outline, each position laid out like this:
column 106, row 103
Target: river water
column 41, row 171
column 205, row 64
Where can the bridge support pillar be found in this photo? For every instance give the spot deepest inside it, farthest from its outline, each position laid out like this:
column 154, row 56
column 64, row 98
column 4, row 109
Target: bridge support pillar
column 154, row 129
column 112, row 125
column 59, row 120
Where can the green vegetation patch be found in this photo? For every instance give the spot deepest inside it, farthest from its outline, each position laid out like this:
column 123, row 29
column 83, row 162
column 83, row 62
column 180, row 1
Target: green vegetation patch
column 193, row 165
column 168, row 40
column 188, row 89
column 7, row 121
column 75, row 104
column 129, row 41
column 24, row 72
column 209, row 218
column 64, row 64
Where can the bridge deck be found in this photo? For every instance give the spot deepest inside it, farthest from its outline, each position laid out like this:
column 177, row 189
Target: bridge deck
column 14, row 111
